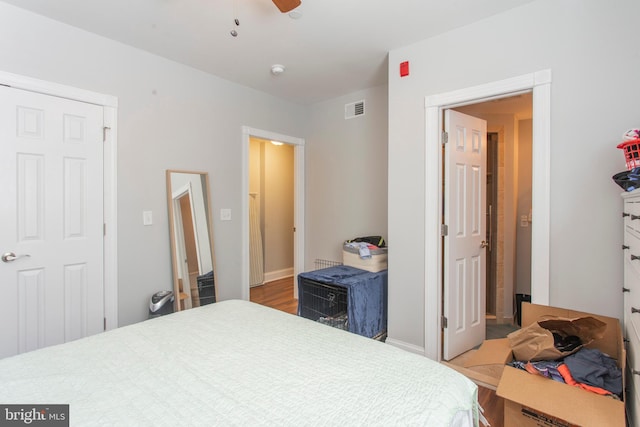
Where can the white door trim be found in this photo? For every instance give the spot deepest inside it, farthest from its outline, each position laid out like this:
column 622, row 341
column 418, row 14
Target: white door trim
column 298, row 189
column 110, row 242
column 540, row 83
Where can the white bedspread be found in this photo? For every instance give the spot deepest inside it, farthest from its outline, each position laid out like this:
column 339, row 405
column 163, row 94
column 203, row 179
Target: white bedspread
column 235, row 363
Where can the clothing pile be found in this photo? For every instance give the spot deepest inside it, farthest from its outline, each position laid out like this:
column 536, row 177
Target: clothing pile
column 365, row 245
column 589, row 369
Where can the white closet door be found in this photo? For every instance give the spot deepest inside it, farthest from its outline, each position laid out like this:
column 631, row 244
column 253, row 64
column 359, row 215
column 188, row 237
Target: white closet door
column 51, row 170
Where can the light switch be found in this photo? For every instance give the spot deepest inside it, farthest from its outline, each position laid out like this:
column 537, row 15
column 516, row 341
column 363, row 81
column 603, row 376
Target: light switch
column 225, row 214
column 147, row 217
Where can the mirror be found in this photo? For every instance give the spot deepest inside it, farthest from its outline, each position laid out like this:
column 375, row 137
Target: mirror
column 191, row 231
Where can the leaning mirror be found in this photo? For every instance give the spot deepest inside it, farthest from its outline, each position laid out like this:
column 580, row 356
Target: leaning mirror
column 191, row 231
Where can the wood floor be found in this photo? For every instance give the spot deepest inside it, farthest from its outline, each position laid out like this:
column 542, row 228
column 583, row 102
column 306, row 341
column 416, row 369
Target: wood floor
column 279, row 295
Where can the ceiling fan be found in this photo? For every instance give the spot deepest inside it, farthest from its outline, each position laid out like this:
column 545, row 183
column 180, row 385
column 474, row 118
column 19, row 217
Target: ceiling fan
column 286, row 6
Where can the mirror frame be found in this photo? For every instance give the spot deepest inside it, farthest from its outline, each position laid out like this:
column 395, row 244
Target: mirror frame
column 174, row 261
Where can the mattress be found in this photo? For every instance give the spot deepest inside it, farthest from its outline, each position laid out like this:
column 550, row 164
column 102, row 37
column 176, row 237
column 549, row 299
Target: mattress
column 236, row 363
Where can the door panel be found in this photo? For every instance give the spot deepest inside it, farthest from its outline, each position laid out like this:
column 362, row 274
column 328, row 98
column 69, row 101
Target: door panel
column 464, row 251
column 51, row 169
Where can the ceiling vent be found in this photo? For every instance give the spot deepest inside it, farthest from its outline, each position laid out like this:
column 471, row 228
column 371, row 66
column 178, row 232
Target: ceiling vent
column 355, row 109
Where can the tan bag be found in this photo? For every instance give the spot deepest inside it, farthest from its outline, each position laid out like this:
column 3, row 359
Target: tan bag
column 535, row 342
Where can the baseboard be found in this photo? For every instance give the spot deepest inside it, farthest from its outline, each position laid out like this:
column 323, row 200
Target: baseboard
column 405, row 346
column 277, row 275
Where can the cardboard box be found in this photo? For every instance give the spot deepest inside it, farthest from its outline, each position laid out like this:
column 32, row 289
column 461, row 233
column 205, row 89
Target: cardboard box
column 534, row 401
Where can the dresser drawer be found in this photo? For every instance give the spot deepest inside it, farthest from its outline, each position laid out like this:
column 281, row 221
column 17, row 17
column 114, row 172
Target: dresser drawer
column 631, row 215
column 631, row 304
column 631, row 250
column 632, row 399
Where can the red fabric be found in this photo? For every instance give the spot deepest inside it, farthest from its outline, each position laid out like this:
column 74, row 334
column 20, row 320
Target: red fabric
column 566, row 374
column 531, row 369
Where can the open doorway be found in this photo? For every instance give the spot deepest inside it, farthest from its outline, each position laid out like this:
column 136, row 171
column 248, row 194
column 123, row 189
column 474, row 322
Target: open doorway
column 251, row 196
column 509, row 205
column 271, row 223
column 487, row 185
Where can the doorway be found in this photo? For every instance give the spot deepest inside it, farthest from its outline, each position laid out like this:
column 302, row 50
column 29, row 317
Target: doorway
column 505, row 250
column 539, row 83
column 252, row 197
column 509, row 183
column 271, row 209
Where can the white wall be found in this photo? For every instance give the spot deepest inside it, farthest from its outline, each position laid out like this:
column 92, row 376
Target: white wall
column 278, row 209
column 271, row 177
column 170, row 117
column 346, row 169
column 593, row 55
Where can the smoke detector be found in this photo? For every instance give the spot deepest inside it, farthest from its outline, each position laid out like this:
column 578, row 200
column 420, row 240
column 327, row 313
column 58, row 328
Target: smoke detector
column 277, row 69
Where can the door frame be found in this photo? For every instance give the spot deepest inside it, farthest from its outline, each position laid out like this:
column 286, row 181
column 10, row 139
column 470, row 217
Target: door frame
column 298, row 194
column 110, row 196
column 540, row 84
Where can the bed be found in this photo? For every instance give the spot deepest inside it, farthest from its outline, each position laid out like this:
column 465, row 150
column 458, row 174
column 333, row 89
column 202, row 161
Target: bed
column 236, row 363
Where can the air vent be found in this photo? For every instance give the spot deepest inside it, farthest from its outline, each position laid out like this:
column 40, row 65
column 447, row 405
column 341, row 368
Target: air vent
column 355, row 109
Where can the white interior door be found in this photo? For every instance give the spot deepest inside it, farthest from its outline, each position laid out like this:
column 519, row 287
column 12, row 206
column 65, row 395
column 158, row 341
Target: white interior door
column 51, row 228
column 465, row 242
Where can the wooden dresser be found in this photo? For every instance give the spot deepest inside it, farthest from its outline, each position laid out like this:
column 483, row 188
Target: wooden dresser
column 631, row 292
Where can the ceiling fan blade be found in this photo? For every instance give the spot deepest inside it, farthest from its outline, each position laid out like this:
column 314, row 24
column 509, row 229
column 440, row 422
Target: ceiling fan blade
column 286, row 5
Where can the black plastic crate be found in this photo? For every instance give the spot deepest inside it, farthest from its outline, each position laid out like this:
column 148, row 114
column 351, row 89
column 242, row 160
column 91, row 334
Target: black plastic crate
column 206, row 288
column 324, row 303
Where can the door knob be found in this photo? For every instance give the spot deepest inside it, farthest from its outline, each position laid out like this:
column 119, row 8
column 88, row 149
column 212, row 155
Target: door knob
column 484, row 244
column 10, row 256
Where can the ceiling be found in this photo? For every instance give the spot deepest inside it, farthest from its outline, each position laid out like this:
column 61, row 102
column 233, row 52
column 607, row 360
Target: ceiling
column 335, row 47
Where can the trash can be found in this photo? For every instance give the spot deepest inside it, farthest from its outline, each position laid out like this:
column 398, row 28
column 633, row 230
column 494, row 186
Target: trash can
column 519, row 299
column 161, row 303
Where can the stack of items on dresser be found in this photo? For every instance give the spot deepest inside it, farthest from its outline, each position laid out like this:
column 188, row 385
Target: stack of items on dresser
column 555, row 349
column 629, row 179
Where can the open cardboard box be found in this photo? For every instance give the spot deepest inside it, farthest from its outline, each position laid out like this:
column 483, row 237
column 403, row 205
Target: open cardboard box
column 534, row 401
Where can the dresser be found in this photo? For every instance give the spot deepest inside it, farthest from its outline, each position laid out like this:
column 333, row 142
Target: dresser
column 631, row 292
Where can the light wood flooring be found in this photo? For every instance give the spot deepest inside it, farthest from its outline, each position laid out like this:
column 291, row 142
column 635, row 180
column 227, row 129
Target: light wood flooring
column 279, row 295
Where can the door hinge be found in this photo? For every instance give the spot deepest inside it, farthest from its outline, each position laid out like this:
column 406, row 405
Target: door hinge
column 104, row 133
column 104, row 229
column 445, row 137
column 444, row 230
column 444, row 322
